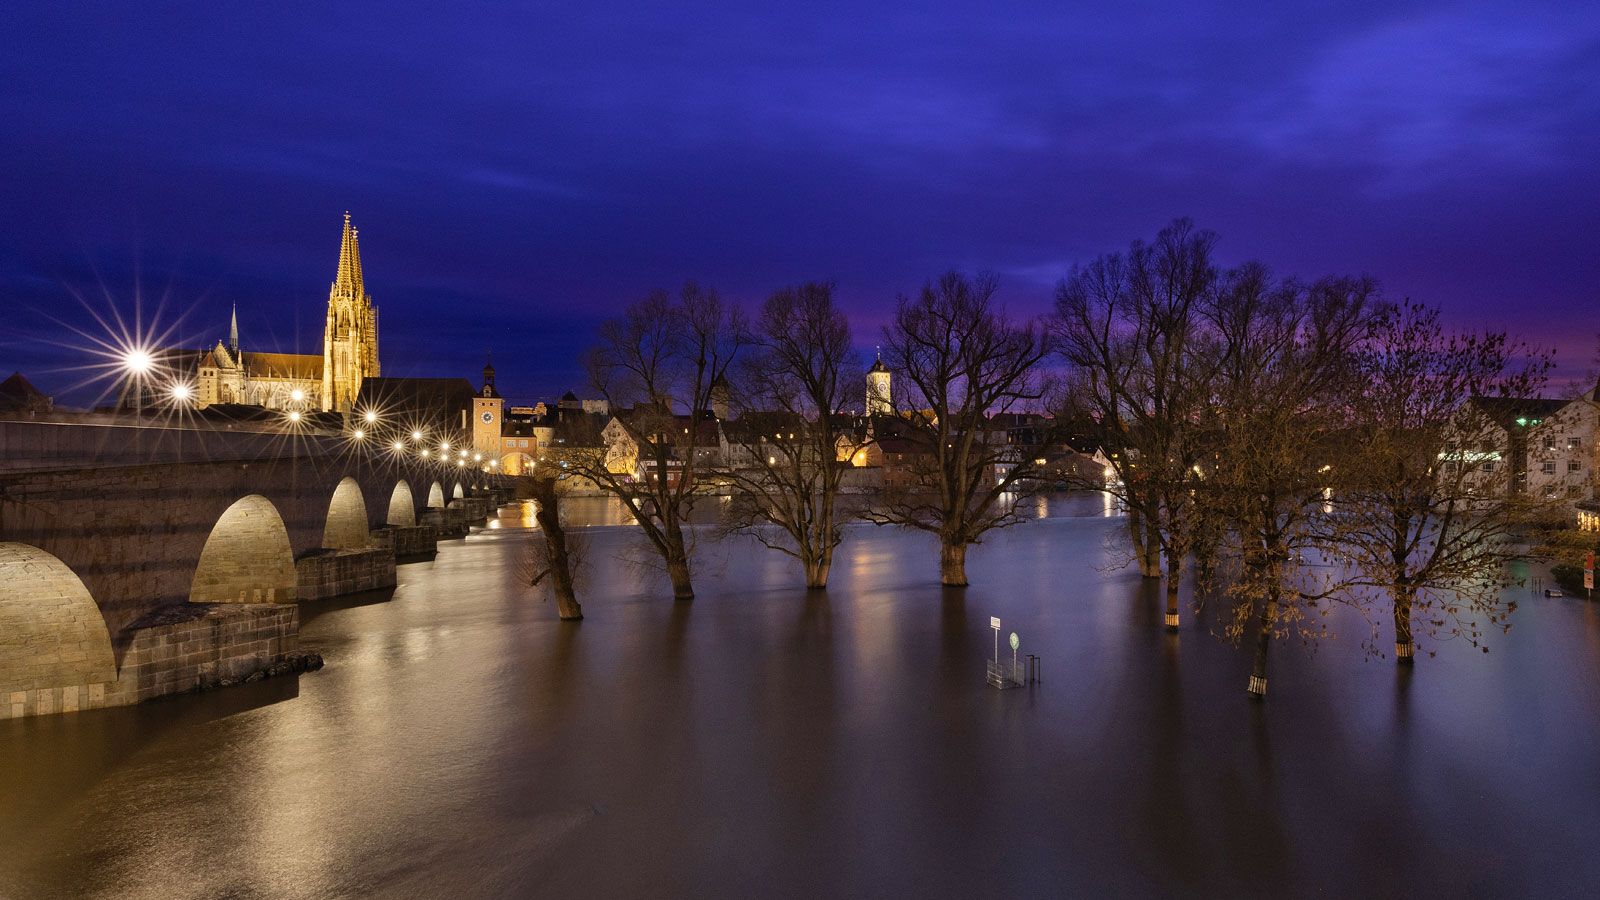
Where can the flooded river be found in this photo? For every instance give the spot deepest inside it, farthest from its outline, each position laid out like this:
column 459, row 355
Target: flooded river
column 766, row 742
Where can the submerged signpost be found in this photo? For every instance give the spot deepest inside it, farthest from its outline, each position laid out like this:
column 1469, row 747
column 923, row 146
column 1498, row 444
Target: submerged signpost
column 998, row 676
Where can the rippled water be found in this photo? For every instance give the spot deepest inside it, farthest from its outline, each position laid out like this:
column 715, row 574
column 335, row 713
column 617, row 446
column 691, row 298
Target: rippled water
column 763, row 742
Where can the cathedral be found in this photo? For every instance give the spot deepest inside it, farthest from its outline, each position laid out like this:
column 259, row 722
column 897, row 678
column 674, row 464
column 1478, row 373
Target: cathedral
column 227, row 374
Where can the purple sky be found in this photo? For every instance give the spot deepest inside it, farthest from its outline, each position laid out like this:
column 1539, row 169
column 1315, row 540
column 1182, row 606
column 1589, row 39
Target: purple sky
column 517, row 176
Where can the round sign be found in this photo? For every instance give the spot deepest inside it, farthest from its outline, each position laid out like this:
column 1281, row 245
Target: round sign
column 1014, row 641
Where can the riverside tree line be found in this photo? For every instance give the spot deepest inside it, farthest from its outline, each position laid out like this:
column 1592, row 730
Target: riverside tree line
column 1286, row 446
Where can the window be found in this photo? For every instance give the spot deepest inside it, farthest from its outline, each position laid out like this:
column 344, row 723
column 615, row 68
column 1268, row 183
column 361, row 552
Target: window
column 1549, row 468
column 1574, row 443
column 1574, row 466
column 1574, row 491
column 1549, row 443
column 1488, row 466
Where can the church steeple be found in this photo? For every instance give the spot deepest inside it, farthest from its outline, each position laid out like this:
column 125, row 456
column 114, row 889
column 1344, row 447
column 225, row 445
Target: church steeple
column 233, row 331
column 347, row 281
column 350, row 342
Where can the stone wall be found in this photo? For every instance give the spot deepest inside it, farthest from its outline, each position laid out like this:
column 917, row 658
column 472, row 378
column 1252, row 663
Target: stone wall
column 407, row 542
column 189, row 648
column 329, row 573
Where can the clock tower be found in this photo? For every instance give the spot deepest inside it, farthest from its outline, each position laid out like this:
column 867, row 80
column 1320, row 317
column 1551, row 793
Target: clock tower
column 486, row 409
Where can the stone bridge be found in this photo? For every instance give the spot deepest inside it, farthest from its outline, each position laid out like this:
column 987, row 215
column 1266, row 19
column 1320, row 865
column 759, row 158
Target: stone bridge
column 140, row 561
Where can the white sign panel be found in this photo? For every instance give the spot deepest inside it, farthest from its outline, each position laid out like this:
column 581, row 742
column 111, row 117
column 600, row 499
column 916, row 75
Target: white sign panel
column 994, row 622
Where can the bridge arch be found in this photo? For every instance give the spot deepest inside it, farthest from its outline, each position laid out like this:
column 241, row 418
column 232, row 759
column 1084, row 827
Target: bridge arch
column 458, row 494
column 247, row 557
column 402, row 509
column 436, row 496
column 346, row 528
column 51, row 631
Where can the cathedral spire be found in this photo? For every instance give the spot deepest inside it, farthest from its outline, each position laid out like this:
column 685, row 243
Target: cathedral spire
column 233, row 330
column 348, row 278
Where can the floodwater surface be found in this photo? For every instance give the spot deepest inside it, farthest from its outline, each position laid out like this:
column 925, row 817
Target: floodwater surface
column 763, row 741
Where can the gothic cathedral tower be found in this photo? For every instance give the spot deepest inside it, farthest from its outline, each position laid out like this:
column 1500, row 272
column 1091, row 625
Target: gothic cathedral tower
column 350, row 342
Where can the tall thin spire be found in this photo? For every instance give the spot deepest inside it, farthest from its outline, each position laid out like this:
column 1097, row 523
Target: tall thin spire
column 355, row 262
column 348, row 261
column 233, row 331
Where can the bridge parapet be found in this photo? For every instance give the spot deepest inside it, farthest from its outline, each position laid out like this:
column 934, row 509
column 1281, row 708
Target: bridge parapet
column 44, row 445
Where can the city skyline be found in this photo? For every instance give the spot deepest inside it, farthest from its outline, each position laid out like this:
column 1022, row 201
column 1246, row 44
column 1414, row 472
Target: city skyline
column 576, row 163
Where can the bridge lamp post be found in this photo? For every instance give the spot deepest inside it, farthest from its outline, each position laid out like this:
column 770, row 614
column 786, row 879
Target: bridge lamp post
column 397, row 446
column 358, row 434
column 137, row 363
column 416, row 435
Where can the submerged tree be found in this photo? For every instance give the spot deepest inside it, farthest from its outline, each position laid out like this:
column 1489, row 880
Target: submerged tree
column 1429, row 511
column 659, row 365
column 787, row 470
column 1281, row 394
column 553, row 553
column 1130, row 328
column 965, row 361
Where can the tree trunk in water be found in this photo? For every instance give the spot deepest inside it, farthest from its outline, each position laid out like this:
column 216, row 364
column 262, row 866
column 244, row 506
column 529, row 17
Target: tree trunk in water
column 1258, row 673
column 1147, row 555
column 1174, row 573
column 547, row 511
column 1404, row 647
column 1150, row 566
column 817, row 571
column 676, row 556
column 952, row 564
column 678, row 571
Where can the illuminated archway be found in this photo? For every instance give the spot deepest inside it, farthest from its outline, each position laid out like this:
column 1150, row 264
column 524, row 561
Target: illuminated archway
column 458, row 493
column 516, row 464
column 51, row 631
column 247, row 557
column 347, row 518
column 402, row 509
column 436, row 496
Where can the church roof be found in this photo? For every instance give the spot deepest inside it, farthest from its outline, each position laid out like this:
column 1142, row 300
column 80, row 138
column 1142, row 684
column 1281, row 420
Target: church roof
column 878, row 366
column 300, row 366
column 431, row 401
column 17, row 392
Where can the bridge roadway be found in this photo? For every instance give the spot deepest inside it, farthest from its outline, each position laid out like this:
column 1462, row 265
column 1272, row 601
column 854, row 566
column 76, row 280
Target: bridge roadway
column 137, row 561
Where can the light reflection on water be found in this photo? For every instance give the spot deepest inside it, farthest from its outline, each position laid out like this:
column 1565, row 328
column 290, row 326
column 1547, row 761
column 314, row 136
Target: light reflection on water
column 764, row 740
column 586, row 511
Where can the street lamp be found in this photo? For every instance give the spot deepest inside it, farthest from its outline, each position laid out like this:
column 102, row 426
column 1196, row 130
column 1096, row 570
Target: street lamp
column 358, row 434
column 397, row 446
column 294, row 416
column 371, row 416
column 416, row 435
column 181, row 393
column 137, row 362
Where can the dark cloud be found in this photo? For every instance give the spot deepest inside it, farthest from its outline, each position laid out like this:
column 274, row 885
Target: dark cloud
column 518, row 174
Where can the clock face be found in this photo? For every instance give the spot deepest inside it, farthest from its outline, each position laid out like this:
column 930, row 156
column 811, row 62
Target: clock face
column 487, row 417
